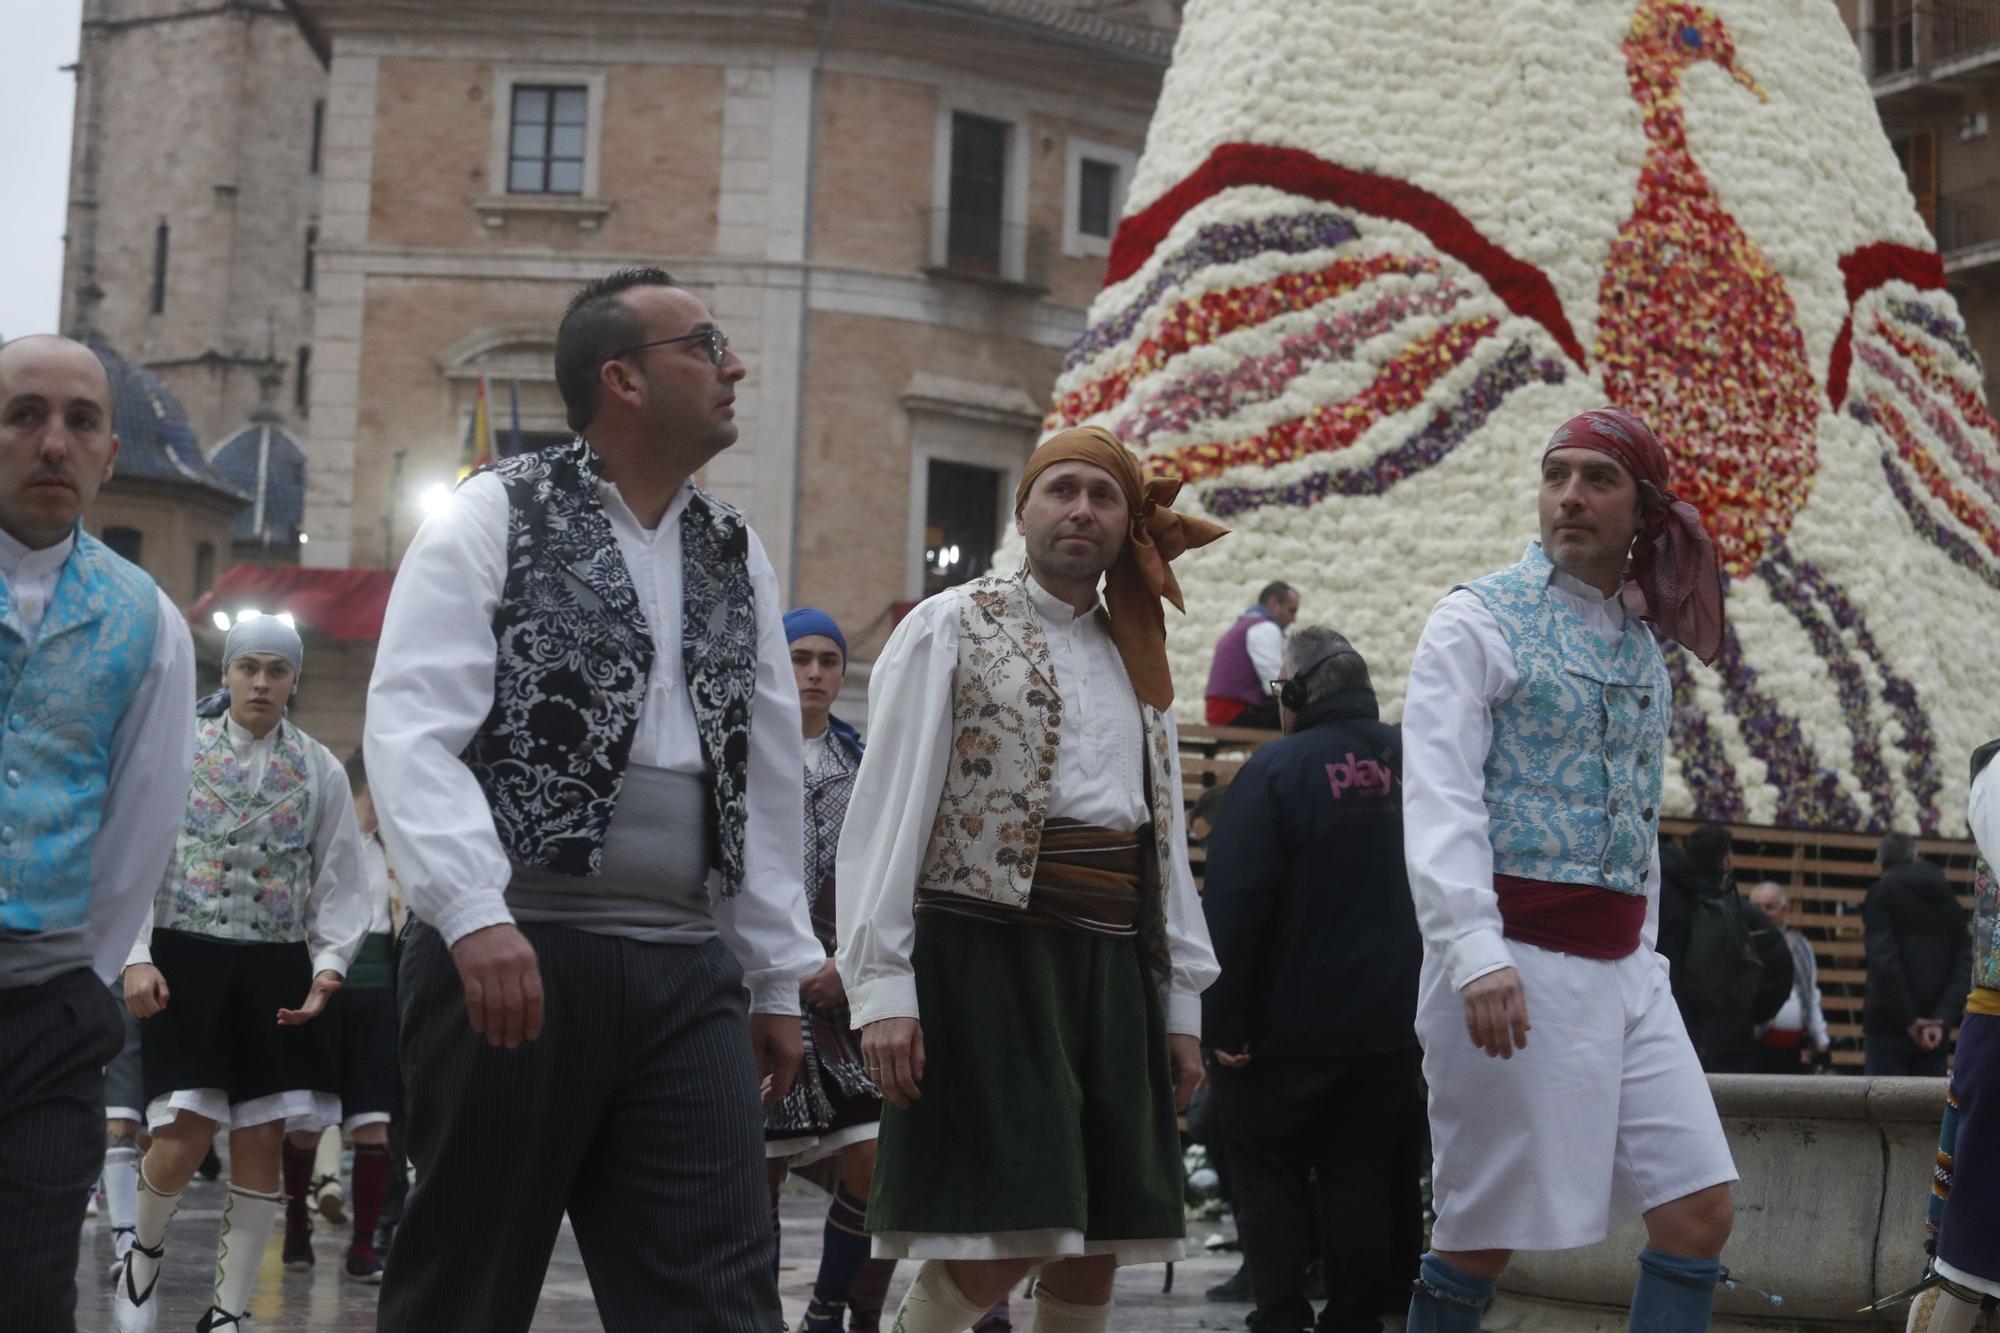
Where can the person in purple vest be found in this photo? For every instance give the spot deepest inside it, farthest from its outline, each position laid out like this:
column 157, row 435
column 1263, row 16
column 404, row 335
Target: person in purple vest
column 1241, row 692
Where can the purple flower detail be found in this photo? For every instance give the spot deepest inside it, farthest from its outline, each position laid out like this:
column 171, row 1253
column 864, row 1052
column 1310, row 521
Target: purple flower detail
column 1956, row 547
column 1218, row 243
column 1941, row 327
column 1809, row 794
column 1940, row 419
column 1259, row 379
column 1705, row 766
column 1446, row 430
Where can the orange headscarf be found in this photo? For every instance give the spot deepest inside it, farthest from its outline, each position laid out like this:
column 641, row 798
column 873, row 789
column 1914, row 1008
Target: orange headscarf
column 1140, row 579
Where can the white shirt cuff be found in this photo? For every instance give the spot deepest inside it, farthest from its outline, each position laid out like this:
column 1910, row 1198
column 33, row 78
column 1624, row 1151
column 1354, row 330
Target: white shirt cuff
column 330, row 961
column 774, row 995
column 1184, row 1013
column 1471, row 957
column 884, row 997
column 142, row 952
column 476, row 911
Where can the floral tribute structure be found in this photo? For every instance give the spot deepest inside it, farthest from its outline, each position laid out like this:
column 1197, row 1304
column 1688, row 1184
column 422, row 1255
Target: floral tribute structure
column 1377, row 250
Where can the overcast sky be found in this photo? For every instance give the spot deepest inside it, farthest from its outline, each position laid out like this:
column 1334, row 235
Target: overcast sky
column 37, row 102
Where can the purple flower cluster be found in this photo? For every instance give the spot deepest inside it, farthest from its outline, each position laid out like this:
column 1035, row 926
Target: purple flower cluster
column 1219, row 243
column 1961, row 551
column 1259, row 379
column 1941, row 327
column 1809, row 793
column 1446, row 430
column 1942, row 421
column 1705, row 766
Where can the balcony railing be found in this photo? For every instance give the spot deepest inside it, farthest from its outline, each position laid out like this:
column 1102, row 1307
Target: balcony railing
column 982, row 248
column 1969, row 220
column 1921, row 36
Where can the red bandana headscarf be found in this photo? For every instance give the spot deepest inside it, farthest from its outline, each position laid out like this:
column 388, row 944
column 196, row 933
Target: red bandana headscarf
column 1674, row 578
column 1138, row 581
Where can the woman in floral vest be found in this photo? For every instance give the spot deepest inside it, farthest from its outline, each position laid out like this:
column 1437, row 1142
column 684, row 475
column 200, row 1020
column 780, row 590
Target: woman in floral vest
column 263, row 907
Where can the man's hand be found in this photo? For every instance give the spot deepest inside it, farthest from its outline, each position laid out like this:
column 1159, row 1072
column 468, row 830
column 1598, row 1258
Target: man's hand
column 780, row 1044
column 1927, row 1033
column 503, row 985
column 1184, row 1054
column 822, row 989
column 1496, row 1013
column 145, row 990
column 892, row 1053
column 323, row 987
column 1233, row 1057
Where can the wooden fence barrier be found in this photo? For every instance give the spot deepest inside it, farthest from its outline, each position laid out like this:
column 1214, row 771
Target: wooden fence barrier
column 1823, row 874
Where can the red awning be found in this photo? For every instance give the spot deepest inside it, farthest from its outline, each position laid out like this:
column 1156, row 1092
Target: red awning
column 338, row 603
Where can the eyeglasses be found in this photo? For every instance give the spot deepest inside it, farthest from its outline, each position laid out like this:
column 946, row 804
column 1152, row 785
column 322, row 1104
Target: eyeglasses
column 718, row 345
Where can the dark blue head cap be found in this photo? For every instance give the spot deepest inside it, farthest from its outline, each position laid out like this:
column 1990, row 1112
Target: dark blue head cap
column 809, row 620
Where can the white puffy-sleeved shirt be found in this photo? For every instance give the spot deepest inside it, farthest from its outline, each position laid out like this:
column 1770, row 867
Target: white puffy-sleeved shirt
column 337, row 905
column 1099, row 779
column 433, row 688
column 152, row 760
column 1462, row 668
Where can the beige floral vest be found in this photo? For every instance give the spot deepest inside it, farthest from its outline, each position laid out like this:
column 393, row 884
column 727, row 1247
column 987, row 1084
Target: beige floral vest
column 1006, row 725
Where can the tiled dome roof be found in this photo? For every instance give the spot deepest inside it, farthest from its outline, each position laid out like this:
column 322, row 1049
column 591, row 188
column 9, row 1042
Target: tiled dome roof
column 265, row 463
column 155, row 440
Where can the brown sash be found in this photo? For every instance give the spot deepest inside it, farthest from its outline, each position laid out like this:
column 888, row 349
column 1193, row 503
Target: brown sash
column 1087, row 879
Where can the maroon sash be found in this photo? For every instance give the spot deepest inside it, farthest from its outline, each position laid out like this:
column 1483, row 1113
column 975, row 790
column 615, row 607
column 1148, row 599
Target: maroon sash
column 1581, row 919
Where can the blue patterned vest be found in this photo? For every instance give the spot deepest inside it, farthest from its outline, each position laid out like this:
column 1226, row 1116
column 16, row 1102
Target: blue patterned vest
column 575, row 652
column 243, row 864
column 1985, row 927
column 64, row 698
column 1573, row 775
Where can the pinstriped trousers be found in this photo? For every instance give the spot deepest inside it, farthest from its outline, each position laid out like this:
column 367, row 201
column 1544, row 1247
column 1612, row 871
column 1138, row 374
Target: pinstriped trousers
column 55, row 1039
column 637, row 1112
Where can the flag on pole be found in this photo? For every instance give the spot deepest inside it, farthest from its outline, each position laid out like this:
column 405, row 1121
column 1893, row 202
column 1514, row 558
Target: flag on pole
column 477, row 451
column 514, row 405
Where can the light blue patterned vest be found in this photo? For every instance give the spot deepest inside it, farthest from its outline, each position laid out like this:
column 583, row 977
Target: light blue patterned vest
column 63, row 700
column 1573, row 775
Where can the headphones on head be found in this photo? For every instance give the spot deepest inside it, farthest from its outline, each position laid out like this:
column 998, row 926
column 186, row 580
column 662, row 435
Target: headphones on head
column 1293, row 693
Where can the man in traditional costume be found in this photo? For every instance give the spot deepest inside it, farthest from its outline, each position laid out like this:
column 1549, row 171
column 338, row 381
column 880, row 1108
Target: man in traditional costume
column 1534, row 732
column 99, row 673
column 1021, row 941
column 263, row 906
column 583, row 735
column 1964, row 1216
column 827, row 1125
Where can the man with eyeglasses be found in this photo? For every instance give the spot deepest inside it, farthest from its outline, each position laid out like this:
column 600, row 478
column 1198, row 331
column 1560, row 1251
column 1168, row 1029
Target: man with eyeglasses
column 601, row 851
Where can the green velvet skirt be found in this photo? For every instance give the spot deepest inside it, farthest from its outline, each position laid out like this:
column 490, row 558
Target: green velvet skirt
column 1048, row 1097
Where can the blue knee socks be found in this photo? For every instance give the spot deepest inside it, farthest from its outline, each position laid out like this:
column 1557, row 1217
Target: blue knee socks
column 1674, row 1294
column 841, row 1257
column 1447, row 1299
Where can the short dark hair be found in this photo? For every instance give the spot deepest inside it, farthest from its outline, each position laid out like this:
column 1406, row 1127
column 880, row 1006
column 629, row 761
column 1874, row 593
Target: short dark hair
column 1275, row 589
column 357, row 771
column 1208, row 805
column 1895, row 849
column 1707, row 845
column 594, row 327
column 1984, row 756
column 1306, row 646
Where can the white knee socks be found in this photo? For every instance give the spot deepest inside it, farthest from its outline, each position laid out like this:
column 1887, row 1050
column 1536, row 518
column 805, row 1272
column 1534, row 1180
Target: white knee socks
column 1938, row 1311
column 121, row 1195
column 1055, row 1315
column 150, row 1216
column 934, row 1304
column 246, row 1228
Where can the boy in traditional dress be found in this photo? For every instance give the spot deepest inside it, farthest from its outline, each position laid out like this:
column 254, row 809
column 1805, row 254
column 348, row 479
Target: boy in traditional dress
column 263, row 905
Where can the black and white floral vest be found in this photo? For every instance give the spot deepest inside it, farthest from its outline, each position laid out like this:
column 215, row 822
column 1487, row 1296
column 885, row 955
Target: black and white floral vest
column 574, row 656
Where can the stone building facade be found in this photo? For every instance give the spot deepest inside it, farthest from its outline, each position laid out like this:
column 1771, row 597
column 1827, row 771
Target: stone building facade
column 193, row 179
column 898, row 210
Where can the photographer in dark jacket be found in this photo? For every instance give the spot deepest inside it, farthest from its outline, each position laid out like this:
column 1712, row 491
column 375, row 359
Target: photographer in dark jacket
column 1313, row 1018
column 1919, row 963
column 1731, row 969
